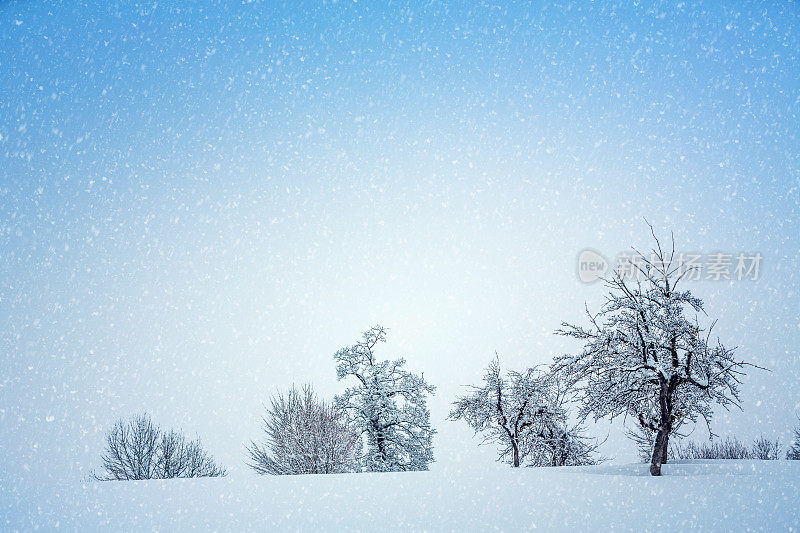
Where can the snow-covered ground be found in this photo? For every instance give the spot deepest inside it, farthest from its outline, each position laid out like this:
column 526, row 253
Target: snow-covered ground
column 711, row 496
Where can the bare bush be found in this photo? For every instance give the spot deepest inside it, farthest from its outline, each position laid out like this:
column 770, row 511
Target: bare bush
column 793, row 453
column 765, row 449
column 730, row 448
column 138, row 449
column 303, row 435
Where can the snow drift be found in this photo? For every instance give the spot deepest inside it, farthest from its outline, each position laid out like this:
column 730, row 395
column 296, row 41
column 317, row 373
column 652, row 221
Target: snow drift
column 711, row 496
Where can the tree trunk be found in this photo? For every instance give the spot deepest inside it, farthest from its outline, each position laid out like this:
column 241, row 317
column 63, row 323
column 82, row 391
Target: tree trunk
column 515, row 449
column 659, row 451
column 665, row 427
column 380, row 444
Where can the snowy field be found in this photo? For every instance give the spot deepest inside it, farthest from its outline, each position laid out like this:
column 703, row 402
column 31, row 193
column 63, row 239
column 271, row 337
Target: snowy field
column 709, row 496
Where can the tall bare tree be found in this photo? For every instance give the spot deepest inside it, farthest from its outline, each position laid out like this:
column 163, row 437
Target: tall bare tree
column 644, row 357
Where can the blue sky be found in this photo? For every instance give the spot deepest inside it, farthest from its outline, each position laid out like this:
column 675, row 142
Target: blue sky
column 200, row 205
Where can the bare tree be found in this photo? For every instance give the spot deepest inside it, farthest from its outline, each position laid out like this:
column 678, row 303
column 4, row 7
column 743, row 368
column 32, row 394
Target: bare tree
column 524, row 413
column 303, row 435
column 644, row 357
column 138, row 449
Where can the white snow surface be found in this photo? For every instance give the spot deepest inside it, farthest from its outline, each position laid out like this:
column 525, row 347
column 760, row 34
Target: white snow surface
column 709, row 496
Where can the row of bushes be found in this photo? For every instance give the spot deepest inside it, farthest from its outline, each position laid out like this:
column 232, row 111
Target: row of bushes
column 303, row 435
column 762, row 448
column 730, row 448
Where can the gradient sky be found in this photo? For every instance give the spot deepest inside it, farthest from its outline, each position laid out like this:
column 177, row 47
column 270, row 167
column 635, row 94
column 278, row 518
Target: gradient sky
column 200, row 205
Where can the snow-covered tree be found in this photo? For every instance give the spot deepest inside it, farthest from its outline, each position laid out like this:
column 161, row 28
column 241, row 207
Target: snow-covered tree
column 523, row 412
column 388, row 405
column 644, row 357
column 793, row 453
column 303, row 435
